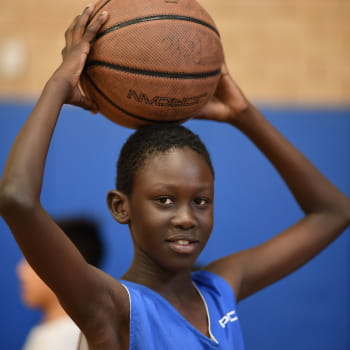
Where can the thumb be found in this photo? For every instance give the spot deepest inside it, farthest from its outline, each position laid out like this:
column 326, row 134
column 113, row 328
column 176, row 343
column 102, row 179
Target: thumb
column 87, row 104
column 213, row 110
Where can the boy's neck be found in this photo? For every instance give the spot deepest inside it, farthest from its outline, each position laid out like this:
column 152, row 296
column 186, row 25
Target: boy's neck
column 170, row 285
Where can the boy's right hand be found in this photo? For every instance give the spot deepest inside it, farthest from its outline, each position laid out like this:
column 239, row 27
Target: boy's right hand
column 79, row 37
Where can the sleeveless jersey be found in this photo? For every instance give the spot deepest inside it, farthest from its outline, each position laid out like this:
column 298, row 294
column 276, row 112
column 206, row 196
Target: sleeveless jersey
column 155, row 324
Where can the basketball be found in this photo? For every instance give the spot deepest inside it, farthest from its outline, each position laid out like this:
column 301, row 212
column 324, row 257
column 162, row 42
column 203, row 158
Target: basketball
column 153, row 61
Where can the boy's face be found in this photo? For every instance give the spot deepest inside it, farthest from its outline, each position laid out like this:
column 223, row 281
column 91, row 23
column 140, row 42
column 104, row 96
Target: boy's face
column 171, row 209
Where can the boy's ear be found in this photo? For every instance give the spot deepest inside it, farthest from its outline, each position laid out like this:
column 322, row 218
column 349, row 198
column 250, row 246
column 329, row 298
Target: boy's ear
column 118, row 205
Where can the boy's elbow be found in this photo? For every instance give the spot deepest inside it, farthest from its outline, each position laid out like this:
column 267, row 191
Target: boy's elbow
column 343, row 211
column 347, row 215
column 12, row 200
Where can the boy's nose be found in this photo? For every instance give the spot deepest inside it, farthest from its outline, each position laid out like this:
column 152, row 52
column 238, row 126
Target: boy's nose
column 184, row 218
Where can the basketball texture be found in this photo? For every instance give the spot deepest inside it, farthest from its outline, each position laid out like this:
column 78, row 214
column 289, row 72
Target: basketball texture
column 153, row 61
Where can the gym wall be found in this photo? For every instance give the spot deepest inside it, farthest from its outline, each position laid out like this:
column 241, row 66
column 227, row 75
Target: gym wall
column 291, row 51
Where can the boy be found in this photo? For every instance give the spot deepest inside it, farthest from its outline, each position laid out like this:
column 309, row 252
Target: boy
column 165, row 195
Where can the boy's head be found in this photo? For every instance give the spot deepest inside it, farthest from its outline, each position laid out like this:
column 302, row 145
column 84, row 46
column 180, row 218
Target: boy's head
column 149, row 141
column 165, row 194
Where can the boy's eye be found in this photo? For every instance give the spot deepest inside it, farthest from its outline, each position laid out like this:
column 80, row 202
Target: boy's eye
column 201, row 202
column 164, row 200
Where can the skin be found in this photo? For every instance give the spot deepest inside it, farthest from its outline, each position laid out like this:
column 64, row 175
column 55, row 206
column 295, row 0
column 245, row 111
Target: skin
column 97, row 302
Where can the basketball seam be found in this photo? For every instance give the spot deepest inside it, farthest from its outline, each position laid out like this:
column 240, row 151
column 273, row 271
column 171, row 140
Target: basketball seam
column 106, row 98
column 156, row 18
column 159, row 74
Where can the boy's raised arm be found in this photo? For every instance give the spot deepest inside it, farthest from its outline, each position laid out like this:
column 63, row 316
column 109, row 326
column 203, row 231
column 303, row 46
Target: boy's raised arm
column 44, row 245
column 327, row 210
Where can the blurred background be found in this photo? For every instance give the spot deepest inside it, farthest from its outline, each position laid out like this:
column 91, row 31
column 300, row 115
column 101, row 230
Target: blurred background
column 292, row 59
column 292, row 51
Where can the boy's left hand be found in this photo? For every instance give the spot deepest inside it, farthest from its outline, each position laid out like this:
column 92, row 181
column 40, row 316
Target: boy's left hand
column 228, row 102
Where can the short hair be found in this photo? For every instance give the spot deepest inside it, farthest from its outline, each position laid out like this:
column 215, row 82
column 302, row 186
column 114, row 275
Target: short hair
column 85, row 235
column 151, row 140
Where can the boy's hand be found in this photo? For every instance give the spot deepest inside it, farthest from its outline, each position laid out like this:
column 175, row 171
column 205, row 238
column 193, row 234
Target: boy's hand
column 228, row 102
column 79, row 36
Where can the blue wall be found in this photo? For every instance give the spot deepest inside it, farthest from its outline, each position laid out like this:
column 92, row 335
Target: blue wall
column 308, row 310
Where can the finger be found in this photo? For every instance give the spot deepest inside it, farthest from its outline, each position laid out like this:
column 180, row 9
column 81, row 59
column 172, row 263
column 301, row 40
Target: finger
column 81, row 24
column 77, row 98
column 206, row 111
column 89, row 105
column 95, row 26
column 86, row 103
column 69, row 33
column 224, row 70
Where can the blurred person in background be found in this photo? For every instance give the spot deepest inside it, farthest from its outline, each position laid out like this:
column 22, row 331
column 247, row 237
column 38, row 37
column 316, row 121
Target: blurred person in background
column 56, row 330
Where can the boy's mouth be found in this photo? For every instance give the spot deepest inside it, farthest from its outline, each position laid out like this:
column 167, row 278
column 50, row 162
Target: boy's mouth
column 183, row 242
column 182, row 246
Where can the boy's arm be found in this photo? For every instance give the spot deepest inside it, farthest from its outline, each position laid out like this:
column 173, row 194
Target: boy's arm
column 45, row 246
column 327, row 210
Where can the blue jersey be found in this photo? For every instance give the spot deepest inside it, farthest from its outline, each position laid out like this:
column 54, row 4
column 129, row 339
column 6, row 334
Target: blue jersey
column 155, row 324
